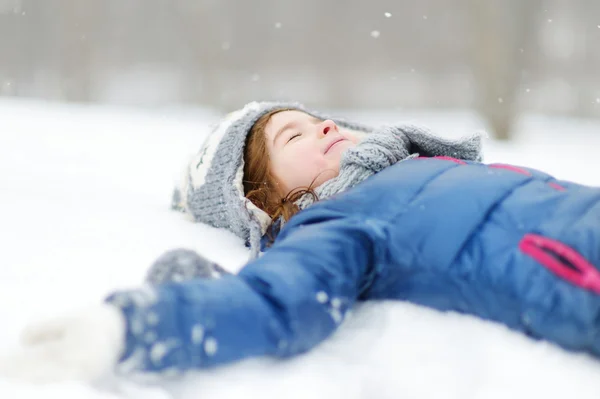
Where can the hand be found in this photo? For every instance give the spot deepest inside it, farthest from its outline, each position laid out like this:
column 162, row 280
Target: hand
column 182, row 264
column 80, row 346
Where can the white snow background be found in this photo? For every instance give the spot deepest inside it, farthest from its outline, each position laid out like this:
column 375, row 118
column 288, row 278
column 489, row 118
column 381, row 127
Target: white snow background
column 85, row 194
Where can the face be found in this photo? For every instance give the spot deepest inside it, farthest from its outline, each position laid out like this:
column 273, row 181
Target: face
column 304, row 149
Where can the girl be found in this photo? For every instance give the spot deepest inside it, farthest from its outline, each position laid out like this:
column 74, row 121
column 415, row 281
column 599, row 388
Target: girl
column 401, row 215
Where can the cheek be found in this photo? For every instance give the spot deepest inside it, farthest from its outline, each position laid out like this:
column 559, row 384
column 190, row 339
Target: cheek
column 302, row 165
column 354, row 138
column 303, row 156
column 298, row 169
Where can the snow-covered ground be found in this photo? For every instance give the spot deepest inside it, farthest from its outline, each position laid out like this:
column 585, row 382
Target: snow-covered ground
column 85, row 209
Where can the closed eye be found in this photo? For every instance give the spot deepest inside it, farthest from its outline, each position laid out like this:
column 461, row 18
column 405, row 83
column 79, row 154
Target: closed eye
column 294, row 136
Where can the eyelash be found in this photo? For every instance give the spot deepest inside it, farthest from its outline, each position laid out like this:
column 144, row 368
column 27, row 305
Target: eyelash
column 294, row 136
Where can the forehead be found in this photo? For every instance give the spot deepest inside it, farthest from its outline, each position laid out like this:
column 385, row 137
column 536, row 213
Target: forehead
column 284, row 117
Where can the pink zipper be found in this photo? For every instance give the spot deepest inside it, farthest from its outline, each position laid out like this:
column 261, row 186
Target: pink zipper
column 557, row 186
column 516, row 169
column 562, row 260
column 445, row 158
column 510, row 167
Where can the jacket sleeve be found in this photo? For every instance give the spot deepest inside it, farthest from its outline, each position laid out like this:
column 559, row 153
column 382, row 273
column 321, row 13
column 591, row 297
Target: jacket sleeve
column 284, row 303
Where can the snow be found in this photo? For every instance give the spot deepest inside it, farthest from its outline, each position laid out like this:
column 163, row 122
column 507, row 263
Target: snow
column 85, row 210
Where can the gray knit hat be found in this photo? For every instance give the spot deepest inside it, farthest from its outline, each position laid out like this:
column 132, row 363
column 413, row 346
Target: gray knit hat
column 212, row 189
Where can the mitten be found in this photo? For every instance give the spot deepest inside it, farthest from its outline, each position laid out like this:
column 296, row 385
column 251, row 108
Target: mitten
column 81, row 346
column 182, row 264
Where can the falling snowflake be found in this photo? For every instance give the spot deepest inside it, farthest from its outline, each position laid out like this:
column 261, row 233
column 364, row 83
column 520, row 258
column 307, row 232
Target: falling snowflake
column 336, row 302
column 388, row 15
column 150, row 337
column 322, row 297
column 197, row 333
column 158, row 351
column 336, row 315
column 500, row 100
column 277, row 25
column 210, row 346
column 375, row 34
column 152, row 318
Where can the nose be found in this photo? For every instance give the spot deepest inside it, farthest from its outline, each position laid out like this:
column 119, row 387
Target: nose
column 327, row 126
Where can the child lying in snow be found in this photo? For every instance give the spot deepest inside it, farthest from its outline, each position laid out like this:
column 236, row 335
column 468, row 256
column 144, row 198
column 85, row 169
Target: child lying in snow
column 402, row 214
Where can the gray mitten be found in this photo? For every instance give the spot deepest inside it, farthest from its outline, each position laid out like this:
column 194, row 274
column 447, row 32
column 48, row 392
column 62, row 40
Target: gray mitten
column 182, row 264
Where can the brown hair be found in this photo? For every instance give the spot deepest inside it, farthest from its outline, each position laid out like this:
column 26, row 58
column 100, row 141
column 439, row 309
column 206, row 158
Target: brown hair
column 260, row 185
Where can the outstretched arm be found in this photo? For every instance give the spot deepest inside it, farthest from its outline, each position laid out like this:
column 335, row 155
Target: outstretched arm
column 282, row 304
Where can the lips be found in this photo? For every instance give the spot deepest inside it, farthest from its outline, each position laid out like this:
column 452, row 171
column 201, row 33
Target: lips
column 334, row 142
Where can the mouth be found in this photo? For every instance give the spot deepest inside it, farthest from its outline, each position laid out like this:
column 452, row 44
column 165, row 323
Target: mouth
column 334, row 142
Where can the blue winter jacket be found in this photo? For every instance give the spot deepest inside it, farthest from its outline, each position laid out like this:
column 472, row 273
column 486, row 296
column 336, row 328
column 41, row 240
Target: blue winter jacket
column 507, row 244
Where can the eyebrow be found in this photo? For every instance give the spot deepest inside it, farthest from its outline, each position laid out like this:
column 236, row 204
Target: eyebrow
column 283, row 129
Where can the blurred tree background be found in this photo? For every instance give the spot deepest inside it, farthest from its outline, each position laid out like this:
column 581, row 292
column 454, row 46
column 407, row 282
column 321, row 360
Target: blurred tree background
column 497, row 57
